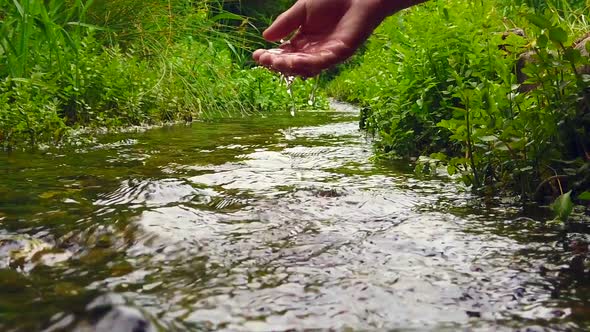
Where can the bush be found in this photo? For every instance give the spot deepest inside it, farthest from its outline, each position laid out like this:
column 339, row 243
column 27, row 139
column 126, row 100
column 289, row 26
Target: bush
column 443, row 84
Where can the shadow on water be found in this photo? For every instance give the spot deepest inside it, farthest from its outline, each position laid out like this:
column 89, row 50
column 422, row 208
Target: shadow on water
column 267, row 223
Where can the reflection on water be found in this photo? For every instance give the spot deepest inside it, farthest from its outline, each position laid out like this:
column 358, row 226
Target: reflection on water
column 263, row 224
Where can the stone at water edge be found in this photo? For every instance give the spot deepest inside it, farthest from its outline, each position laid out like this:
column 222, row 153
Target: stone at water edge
column 109, row 313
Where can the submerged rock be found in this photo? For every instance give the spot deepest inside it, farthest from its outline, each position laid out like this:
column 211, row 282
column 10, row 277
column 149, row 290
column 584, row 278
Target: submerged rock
column 24, row 252
column 109, row 313
column 12, row 281
column 124, row 319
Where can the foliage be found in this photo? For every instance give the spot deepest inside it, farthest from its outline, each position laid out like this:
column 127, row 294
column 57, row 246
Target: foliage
column 442, row 80
column 560, row 5
column 102, row 63
column 563, row 207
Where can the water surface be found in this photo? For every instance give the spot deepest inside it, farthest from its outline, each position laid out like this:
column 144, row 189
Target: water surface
column 267, row 223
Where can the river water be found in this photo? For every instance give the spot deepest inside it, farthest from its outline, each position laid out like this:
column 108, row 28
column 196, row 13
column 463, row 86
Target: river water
column 267, row 223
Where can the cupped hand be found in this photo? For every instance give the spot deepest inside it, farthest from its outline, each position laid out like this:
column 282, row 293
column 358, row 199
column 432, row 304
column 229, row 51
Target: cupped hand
column 326, row 32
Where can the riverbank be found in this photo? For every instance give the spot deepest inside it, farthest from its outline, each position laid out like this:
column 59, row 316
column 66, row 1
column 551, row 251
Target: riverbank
column 495, row 92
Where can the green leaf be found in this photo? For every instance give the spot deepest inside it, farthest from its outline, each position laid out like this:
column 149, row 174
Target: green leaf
column 20, row 9
column 558, row 35
column 572, row 55
column 542, row 41
column 233, row 50
column 439, row 156
column 563, row 206
column 452, row 170
column 227, row 16
column 585, row 196
column 539, row 21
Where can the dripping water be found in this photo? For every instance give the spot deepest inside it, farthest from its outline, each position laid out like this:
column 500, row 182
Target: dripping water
column 289, row 84
column 288, row 79
column 311, row 99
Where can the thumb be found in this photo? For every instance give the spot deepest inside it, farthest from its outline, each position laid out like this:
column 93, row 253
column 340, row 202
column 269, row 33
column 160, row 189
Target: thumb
column 287, row 22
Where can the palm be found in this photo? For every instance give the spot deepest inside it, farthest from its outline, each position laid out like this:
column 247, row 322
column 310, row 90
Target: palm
column 328, row 32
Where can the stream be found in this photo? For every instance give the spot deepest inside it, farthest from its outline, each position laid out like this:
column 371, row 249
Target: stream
column 268, row 223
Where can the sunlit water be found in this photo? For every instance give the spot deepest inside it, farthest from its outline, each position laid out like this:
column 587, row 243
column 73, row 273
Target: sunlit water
column 266, row 224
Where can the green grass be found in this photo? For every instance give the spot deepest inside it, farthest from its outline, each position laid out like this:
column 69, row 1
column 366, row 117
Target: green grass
column 66, row 64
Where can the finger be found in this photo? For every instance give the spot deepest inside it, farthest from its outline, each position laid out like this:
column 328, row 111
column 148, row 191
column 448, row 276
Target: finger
column 264, row 58
column 301, row 64
column 256, row 55
column 314, row 57
column 307, row 62
column 282, row 64
column 286, row 23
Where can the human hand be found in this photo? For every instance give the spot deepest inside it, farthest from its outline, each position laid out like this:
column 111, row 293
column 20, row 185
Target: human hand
column 326, row 32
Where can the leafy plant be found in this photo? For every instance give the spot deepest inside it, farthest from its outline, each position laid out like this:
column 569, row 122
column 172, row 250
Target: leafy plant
column 563, row 207
column 498, row 92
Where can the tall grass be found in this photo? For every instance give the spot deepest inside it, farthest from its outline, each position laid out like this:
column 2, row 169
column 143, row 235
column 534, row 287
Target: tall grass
column 563, row 6
column 69, row 63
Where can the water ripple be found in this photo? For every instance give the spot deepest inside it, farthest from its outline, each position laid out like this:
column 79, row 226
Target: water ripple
column 289, row 229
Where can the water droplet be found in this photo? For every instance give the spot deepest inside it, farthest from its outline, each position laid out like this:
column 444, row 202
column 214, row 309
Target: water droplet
column 275, row 51
column 289, row 84
column 311, row 99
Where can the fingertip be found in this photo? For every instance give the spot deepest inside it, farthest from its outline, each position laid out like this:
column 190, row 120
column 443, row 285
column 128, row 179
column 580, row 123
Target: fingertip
column 270, row 35
column 256, row 55
column 286, row 23
column 274, row 35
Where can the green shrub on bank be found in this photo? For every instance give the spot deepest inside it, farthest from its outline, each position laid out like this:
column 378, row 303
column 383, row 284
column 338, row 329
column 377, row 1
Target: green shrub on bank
column 439, row 81
column 68, row 64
